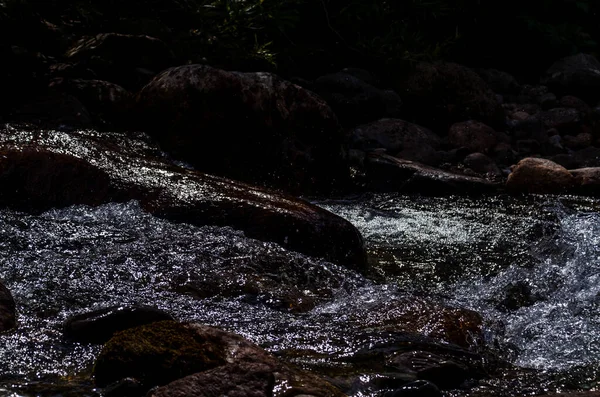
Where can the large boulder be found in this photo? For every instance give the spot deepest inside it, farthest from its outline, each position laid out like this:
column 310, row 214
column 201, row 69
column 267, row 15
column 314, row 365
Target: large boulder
column 199, row 361
column 398, row 137
column 44, row 169
column 253, row 127
column 8, row 316
column 577, row 75
column 536, row 175
column 437, row 95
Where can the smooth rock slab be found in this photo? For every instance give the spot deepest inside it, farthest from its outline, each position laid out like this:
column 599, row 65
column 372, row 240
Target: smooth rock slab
column 391, row 174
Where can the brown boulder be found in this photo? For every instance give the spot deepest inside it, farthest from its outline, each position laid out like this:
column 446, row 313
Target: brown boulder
column 8, row 315
column 398, row 137
column 216, row 361
column 437, row 95
column 472, row 134
column 253, row 127
column 535, row 175
column 43, row 169
column 587, row 180
column 461, row 327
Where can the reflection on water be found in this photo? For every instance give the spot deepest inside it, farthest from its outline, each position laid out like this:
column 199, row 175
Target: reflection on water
column 530, row 266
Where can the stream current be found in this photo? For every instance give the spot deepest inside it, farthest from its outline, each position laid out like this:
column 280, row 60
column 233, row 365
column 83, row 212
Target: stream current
column 530, row 266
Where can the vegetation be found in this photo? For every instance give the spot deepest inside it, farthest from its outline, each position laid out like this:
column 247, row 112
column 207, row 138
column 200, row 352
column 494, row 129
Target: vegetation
column 304, row 37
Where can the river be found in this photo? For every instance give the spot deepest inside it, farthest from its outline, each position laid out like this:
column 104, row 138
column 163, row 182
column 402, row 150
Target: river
column 529, row 265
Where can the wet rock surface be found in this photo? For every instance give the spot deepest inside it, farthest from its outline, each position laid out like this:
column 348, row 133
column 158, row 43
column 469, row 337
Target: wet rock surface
column 51, row 168
column 7, row 310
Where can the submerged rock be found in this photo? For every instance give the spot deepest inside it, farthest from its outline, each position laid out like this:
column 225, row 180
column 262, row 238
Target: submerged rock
column 8, row 315
column 100, row 325
column 44, row 169
column 201, row 361
column 254, row 127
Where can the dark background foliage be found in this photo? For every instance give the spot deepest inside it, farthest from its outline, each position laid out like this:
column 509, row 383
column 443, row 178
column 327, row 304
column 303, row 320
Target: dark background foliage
column 310, row 37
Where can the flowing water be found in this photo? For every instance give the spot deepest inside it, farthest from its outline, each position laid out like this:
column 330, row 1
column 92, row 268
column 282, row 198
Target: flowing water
column 530, row 266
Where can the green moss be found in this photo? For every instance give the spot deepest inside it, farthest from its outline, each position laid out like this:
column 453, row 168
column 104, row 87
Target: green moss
column 156, row 354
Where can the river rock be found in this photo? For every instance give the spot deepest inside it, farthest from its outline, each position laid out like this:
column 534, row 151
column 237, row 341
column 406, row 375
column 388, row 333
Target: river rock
column 565, row 120
column 99, row 326
column 355, row 101
column 253, row 127
column 436, row 95
column 482, row 164
column 536, row 175
column 499, row 81
column 461, row 327
column 391, row 174
column 577, row 75
column 156, row 354
column 43, row 169
column 127, row 60
column 199, row 360
column 473, row 135
column 579, row 141
column 570, row 101
column 398, row 137
column 8, row 314
column 587, row 180
column 107, row 102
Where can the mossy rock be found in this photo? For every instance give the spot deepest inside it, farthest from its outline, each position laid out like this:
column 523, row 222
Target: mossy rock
column 156, row 354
